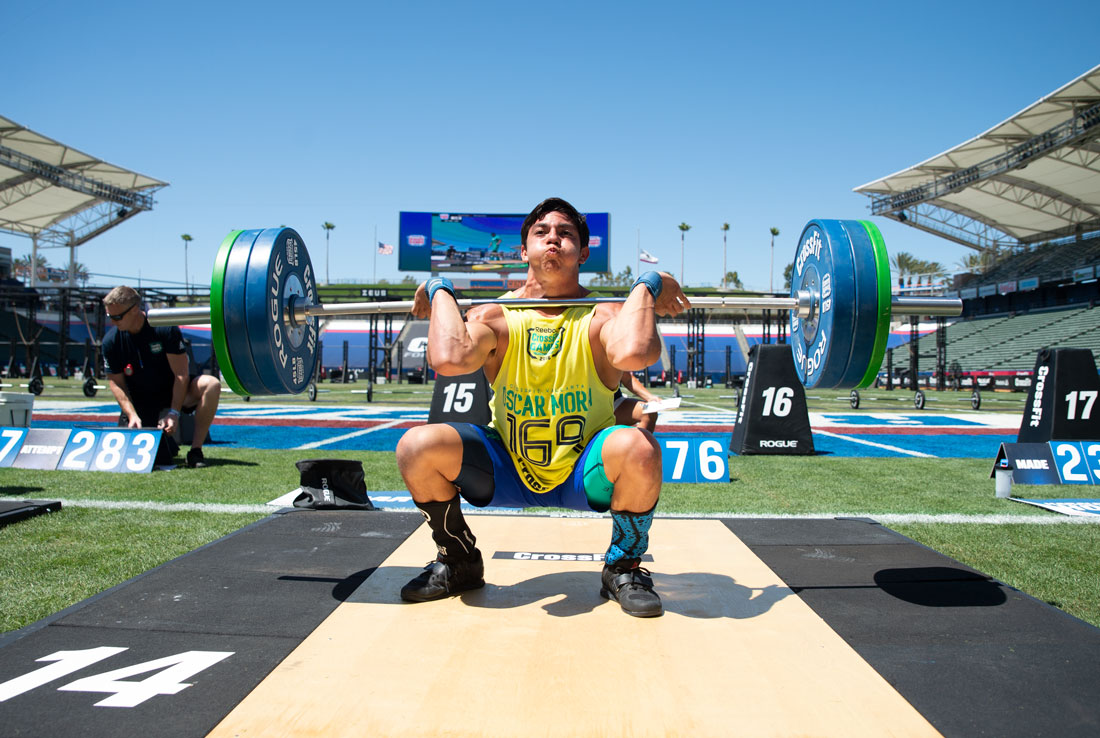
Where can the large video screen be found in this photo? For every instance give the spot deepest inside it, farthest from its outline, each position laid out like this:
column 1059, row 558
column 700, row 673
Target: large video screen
column 464, row 242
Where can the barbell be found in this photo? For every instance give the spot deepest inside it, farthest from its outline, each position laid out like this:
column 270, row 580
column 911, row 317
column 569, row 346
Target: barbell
column 264, row 307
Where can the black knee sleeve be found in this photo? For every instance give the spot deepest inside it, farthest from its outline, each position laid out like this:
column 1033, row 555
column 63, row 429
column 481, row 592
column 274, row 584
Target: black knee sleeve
column 475, row 480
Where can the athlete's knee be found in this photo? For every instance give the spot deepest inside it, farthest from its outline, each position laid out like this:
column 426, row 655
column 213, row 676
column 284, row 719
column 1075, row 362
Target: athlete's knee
column 422, row 447
column 633, row 446
column 633, row 454
column 476, row 480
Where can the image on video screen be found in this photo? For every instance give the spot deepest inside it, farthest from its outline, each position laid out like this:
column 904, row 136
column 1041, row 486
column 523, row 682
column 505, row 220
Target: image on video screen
column 461, row 242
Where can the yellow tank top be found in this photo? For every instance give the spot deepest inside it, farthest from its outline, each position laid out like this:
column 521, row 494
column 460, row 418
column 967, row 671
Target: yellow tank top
column 548, row 399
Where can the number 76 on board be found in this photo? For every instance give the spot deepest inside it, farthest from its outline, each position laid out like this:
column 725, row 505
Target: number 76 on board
column 694, row 458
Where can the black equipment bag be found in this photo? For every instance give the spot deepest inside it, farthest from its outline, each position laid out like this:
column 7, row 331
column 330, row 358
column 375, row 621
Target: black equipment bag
column 332, row 484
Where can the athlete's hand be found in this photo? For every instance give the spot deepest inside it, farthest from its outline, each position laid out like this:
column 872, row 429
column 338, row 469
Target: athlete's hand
column 672, row 300
column 421, row 307
column 135, row 421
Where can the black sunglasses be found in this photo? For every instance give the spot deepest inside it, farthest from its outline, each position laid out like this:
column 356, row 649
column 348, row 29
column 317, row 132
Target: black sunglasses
column 120, row 316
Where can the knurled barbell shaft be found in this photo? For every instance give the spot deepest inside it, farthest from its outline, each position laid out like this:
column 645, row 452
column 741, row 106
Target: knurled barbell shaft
column 932, row 306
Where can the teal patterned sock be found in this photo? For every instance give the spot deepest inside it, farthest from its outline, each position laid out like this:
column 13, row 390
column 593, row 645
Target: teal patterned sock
column 629, row 535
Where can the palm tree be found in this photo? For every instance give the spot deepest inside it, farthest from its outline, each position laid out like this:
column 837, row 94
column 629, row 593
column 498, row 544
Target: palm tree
column 725, row 229
column 904, row 263
column 21, row 267
column 79, row 271
column 186, row 273
column 684, row 228
column 328, row 229
column 974, row 263
column 771, row 269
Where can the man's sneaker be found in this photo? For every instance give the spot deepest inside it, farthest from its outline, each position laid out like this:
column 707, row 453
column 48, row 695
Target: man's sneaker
column 445, row 578
column 631, row 586
column 195, row 459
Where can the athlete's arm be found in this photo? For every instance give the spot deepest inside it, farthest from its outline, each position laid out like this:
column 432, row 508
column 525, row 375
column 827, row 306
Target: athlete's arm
column 456, row 346
column 636, row 388
column 630, row 338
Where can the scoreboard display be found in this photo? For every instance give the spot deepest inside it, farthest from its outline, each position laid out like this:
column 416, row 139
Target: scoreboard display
column 466, row 242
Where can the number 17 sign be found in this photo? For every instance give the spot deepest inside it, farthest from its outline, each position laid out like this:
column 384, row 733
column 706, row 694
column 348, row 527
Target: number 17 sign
column 694, row 458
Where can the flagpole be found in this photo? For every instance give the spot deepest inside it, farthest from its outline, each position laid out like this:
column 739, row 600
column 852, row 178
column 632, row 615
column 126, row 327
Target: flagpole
column 374, row 277
column 638, row 256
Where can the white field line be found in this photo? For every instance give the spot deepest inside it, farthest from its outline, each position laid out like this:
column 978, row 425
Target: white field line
column 346, row 436
column 211, row 507
column 885, row 518
column 876, row 445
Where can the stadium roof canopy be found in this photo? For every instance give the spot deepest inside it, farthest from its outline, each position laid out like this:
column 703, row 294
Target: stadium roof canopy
column 1035, row 177
column 59, row 196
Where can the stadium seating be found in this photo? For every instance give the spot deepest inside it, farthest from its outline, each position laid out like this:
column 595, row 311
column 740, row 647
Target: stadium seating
column 1010, row 343
column 1050, row 262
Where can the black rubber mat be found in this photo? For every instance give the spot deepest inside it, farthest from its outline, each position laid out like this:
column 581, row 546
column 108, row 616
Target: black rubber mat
column 12, row 511
column 257, row 593
column 974, row 656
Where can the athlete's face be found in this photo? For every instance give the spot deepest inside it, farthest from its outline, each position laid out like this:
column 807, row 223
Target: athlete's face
column 553, row 241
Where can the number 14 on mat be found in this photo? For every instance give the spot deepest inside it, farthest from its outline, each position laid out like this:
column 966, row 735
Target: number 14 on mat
column 694, row 458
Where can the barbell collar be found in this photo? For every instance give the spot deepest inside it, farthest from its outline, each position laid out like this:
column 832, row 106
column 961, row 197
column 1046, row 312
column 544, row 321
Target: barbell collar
column 179, row 316
column 932, row 306
column 802, row 304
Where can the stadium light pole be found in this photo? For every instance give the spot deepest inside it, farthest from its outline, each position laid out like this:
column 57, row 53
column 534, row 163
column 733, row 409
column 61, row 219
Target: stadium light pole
column 186, row 273
column 328, row 229
column 771, row 271
column 725, row 230
column 684, row 228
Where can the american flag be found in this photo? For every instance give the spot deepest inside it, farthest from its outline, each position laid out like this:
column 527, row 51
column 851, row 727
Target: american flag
column 385, row 248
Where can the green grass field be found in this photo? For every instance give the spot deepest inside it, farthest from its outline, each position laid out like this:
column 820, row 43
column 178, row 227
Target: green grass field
column 51, row 562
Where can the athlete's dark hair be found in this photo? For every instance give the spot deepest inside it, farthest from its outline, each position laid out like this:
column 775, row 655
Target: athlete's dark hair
column 556, row 205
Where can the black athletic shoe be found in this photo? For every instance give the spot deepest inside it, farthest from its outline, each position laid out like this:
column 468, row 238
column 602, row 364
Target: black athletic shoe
column 631, row 586
column 445, row 578
column 195, row 459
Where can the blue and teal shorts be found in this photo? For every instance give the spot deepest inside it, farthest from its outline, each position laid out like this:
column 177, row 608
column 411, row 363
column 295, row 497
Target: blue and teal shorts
column 586, row 488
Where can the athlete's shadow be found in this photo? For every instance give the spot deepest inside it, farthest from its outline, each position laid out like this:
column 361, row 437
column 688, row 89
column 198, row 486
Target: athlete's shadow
column 691, row 594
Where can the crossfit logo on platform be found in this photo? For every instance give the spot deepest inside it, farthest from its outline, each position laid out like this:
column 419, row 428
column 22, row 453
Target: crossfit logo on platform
column 554, row 556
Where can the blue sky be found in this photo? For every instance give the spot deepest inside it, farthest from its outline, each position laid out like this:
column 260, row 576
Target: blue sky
column 759, row 115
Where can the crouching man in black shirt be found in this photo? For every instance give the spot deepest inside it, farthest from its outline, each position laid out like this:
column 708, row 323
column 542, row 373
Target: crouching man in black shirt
column 149, row 375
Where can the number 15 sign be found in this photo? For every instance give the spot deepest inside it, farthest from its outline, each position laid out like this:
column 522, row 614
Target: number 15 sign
column 694, row 458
